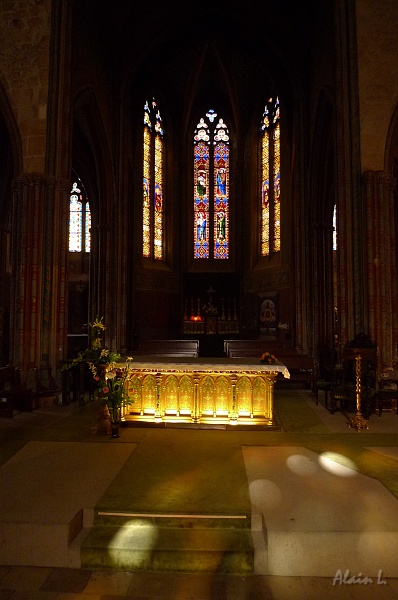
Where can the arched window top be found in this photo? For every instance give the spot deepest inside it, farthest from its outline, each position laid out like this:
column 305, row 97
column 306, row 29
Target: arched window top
column 221, row 133
column 271, row 113
column 211, row 133
column 147, row 116
column 211, row 188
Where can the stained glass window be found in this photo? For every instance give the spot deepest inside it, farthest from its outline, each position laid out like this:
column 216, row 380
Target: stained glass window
column 211, row 188
column 79, row 221
column 153, row 183
column 270, row 190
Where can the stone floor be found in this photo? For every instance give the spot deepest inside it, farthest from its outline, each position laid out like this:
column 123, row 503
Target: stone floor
column 49, row 583
column 40, row 583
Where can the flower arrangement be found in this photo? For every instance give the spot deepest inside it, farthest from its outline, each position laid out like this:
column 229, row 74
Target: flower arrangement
column 268, row 359
column 112, row 379
column 96, row 354
column 113, row 387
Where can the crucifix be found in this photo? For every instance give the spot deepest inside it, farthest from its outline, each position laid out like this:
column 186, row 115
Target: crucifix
column 210, row 291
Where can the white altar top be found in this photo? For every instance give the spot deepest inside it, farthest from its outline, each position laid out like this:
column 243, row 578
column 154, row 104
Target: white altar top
column 213, row 365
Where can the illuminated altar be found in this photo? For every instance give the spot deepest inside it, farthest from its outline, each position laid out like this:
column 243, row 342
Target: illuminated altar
column 224, row 391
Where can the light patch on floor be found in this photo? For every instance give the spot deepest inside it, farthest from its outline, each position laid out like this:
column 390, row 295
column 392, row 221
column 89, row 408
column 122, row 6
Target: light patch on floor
column 319, row 514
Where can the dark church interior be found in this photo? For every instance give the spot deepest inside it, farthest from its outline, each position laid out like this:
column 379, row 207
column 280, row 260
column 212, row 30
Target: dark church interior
column 212, row 188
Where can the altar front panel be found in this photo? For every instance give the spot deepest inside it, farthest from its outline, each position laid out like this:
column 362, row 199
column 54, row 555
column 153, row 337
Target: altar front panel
column 203, row 392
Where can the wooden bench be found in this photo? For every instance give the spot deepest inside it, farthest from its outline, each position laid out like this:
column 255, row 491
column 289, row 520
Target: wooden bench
column 170, row 348
column 241, row 348
column 302, row 368
column 13, row 395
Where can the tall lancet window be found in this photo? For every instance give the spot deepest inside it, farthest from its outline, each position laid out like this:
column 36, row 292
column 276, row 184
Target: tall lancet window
column 270, row 179
column 79, row 221
column 211, row 188
column 153, row 183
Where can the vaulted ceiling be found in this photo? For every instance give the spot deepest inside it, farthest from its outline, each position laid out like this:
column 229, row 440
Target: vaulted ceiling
column 230, row 48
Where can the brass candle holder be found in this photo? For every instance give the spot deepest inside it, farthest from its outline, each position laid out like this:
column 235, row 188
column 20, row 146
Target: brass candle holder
column 358, row 422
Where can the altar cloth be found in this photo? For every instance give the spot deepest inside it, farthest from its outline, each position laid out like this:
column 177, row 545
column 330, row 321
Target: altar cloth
column 221, row 365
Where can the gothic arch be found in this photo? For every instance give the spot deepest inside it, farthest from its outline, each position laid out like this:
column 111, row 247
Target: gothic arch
column 9, row 125
column 93, row 154
column 391, row 194
column 391, row 149
column 93, row 160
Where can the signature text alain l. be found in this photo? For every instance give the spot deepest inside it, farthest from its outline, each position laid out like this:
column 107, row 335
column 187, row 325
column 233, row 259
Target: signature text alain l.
column 345, row 578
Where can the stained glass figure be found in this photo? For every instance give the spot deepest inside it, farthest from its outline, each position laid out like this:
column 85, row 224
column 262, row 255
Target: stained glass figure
column 270, row 167
column 211, row 201
column 79, row 221
column 153, row 176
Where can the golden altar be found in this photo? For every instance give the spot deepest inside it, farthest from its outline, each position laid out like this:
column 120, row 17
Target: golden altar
column 208, row 391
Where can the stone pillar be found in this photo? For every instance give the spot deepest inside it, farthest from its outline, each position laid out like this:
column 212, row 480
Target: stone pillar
column 348, row 193
column 380, row 268
column 27, row 251
column 5, row 278
column 39, row 249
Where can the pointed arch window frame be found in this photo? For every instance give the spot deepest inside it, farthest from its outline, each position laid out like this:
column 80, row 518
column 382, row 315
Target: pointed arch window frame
column 211, row 167
column 270, row 133
column 153, row 183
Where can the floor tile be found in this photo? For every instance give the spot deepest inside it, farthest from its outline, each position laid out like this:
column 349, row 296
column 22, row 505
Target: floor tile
column 284, row 588
column 25, row 578
column 33, row 595
column 67, row 580
column 104, row 582
column 322, row 587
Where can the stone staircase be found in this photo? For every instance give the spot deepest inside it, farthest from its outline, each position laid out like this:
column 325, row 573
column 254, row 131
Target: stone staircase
column 169, row 543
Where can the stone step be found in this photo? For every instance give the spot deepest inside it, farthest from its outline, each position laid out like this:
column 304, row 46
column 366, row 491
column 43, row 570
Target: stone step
column 137, row 546
column 109, row 518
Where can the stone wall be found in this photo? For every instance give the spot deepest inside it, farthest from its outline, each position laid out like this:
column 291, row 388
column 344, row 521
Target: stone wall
column 377, row 76
column 24, row 72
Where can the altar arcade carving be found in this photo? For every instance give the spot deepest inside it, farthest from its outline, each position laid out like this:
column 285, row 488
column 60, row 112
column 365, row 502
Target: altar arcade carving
column 218, row 392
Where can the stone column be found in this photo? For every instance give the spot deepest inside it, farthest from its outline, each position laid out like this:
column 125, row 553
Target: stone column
column 27, row 249
column 348, row 193
column 380, row 268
